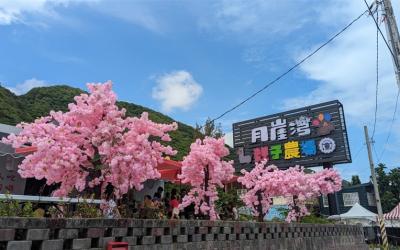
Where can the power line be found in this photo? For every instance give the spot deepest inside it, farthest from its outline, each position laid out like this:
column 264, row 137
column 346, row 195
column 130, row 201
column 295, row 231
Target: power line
column 269, row 84
column 377, row 78
column 380, row 31
column 373, row 147
column 358, row 152
column 391, row 126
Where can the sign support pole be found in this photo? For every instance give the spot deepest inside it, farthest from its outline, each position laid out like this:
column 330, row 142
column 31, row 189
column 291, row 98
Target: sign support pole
column 381, row 220
column 333, row 209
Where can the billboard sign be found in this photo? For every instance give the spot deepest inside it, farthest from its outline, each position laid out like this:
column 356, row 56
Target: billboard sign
column 308, row 136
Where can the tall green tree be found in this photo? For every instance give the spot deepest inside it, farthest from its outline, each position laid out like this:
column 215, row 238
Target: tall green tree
column 389, row 186
column 355, row 180
column 211, row 129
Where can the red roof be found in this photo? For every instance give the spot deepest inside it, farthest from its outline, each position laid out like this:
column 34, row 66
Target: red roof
column 169, row 164
column 25, row 150
column 169, row 170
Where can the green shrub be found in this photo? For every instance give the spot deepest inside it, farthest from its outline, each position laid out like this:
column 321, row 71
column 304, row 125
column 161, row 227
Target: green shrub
column 87, row 210
column 12, row 208
column 9, row 207
column 376, row 246
column 27, row 210
column 315, row 219
column 245, row 217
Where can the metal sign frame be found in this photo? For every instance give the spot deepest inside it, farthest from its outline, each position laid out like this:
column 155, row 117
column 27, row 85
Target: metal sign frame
column 243, row 135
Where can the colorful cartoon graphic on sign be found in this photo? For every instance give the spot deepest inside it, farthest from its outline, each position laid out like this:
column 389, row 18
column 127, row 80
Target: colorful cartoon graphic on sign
column 323, row 123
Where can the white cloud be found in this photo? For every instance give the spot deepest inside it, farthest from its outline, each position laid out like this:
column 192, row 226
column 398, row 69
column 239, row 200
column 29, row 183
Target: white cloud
column 12, row 11
column 345, row 70
column 18, row 11
column 21, row 11
column 229, row 139
column 27, row 85
column 177, row 90
column 247, row 20
column 258, row 19
column 139, row 13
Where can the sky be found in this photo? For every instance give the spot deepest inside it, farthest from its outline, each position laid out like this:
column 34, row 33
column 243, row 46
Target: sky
column 195, row 59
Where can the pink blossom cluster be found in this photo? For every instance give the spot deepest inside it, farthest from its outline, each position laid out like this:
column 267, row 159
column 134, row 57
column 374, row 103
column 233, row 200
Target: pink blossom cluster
column 92, row 144
column 205, row 170
column 265, row 182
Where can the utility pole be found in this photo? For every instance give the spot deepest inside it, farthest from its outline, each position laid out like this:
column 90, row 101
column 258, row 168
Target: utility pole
column 376, row 190
column 393, row 36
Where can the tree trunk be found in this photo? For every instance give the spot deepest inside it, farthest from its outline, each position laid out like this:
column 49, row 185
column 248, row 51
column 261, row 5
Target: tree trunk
column 206, row 179
column 296, row 208
column 259, row 207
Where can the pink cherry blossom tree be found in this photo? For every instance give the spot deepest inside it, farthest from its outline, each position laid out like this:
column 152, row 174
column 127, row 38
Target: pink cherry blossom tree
column 205, row 170
column 93, row 144
column 265, row 182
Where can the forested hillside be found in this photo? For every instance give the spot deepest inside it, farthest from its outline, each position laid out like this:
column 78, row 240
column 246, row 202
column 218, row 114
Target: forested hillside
column 40, row 101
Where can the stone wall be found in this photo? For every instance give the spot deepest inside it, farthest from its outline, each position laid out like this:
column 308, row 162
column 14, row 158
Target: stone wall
column 54, row 234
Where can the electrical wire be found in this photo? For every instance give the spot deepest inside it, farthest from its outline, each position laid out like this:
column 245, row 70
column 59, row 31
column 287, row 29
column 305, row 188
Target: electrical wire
column 376, row 153
column 358, row 151
column 377, row 78
column 376, row 87
column 391, row 126
column 380, row 31
column 269, row 84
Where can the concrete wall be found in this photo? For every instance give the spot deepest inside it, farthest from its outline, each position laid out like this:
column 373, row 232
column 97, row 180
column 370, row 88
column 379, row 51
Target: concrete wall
column 46, row 234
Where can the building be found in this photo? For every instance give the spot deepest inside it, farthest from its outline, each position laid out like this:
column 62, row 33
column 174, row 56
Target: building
column 348, row 196
column 10, row 181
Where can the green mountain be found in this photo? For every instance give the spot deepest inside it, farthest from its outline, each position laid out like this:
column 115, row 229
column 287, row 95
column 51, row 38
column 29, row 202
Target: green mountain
column 40, row 101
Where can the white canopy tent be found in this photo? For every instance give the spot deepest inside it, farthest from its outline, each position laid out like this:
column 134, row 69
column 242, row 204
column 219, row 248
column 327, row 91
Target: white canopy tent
column 357, row 215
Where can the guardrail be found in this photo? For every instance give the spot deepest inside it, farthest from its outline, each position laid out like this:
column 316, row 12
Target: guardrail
column 47, row 199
